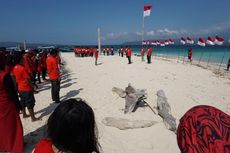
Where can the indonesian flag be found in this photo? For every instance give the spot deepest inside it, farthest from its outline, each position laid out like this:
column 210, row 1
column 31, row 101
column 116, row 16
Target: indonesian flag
column 144, row 42
column 148, row 42
column 189, row 40
column 162, row 44
column 158, row 42
column 210, row 41
column 153, row 43
column 166, row 42
column 171, row 42
column 183, row 40
column 147, row 10
column 201, row 42
column 219, row 40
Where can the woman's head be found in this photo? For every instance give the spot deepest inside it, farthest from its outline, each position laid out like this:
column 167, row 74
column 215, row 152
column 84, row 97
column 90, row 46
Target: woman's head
column 72, row 127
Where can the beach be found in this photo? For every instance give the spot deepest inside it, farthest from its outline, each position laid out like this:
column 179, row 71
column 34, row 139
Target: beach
column 185, row 86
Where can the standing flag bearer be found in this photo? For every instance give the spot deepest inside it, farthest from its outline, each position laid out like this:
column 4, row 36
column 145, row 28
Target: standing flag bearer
column 147, row 12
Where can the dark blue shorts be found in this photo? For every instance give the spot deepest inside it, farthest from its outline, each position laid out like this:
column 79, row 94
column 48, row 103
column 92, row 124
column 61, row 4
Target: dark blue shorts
column 27, row 99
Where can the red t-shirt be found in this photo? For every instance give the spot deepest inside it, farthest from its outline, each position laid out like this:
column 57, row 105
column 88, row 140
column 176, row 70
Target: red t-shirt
column 96, row 53
column 150, row 50
column 22, row 76
column 190, row 53
column 52, row 67
column 44, row 146
column 129, row 52
column 143, row 51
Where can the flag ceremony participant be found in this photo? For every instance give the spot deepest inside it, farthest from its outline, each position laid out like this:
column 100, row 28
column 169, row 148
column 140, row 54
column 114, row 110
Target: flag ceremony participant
column 52, row 63
column 142, row 54
column 129, row 54
column 11, row 131
column 149, row 54
column 25, row 89
column 96, row 55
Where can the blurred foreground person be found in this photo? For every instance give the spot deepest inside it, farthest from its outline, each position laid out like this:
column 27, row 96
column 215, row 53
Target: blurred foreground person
column 71, row 128
column 11, row 131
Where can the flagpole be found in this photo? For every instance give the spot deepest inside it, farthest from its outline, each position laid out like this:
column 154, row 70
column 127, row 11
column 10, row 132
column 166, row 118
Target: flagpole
column 99, row 40
column 143, row 32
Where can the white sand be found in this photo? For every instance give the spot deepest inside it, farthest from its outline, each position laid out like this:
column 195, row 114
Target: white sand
column 184, row 85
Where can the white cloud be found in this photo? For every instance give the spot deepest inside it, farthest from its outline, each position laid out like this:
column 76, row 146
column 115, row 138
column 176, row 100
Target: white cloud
column 116, row 35
column 167, row 32
column 138, row 33
column 213, row 29
column 151, row 33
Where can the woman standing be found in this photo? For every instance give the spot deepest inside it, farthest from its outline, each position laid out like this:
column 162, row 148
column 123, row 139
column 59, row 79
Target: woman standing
column 11, row 135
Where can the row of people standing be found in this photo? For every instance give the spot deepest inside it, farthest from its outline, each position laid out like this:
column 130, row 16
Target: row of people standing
column 108, row 51
column 84, row 51
column 17, row 94
column 128, row 52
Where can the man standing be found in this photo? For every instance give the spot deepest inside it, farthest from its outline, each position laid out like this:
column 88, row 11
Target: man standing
column 54, row 75
column 149, row 54
column 96, row 55
column 190, row 55
column 142, row 53
column 25, row 89
column 128, row 54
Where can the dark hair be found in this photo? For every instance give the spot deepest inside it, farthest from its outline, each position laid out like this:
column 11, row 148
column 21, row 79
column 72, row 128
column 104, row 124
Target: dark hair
column 53, row 52
column 71, row 127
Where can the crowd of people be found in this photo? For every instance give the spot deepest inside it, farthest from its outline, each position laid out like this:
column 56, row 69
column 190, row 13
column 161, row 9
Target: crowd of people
column 20, row 73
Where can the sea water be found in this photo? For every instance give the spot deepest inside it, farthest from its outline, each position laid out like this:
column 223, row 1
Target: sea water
column 214, row 54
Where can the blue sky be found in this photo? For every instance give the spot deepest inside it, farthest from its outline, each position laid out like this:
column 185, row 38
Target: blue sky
column 76, row 21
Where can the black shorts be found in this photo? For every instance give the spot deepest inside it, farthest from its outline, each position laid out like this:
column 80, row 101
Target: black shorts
column 27, row 99
column 189, row 57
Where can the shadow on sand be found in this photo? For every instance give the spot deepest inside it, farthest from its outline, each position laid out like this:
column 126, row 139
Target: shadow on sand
column 71, row 94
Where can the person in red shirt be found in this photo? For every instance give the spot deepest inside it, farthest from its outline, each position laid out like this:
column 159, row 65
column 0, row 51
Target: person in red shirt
column 149, row 54
column 70, row 128
column 129, row 54
column 142, row 54
column 25, row 89
column 122, row 52
column 11, row 131
column 190, row 55
column 54, row 75
column 96, row 55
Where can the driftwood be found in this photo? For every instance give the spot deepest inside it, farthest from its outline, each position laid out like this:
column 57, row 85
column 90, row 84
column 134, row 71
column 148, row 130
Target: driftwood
column 132, row 96
column 124, row 124
column 164, row 110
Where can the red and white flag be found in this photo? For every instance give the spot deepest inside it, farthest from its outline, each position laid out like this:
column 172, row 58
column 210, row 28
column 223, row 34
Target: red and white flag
column 189, row 40
column 147, row 10
column 162, row 44
column 183, row 40
column 153, row 43
column 219, row 40
column 148, row 42
column 210, row 41
column 144, row 42
column 201, row 42
column 158, row 42
column 171, row 42
column 166, row 42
